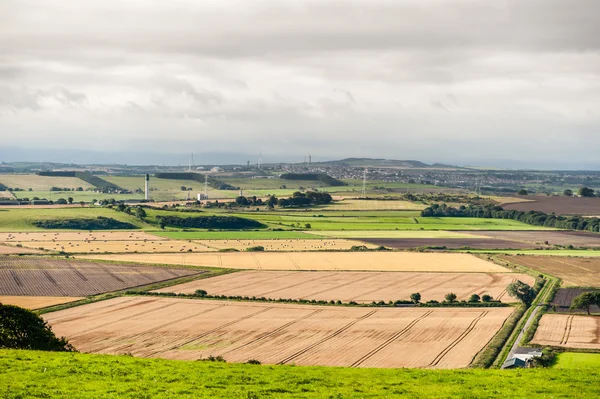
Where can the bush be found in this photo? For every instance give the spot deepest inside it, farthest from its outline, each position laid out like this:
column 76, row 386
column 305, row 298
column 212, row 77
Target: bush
column 200, row 293
column 257, row 248
column 23, row 329
column 486, row 298
column 100, row 223
column 253, row 361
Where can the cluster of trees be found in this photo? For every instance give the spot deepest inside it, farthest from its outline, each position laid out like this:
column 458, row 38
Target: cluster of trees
column 54, row 188
column 524, row 292
column 586, row 300
column 100, row 223
column 209, row 222
column 138, row 211
column 248, row 201
column 535, row 218
column 299, row 199
column 322, row 177
column 23, row 329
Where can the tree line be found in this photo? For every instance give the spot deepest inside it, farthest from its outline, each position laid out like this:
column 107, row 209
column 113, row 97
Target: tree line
column 535, row 218
column 209, row 222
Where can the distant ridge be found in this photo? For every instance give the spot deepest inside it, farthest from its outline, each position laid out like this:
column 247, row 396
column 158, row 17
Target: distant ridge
column 381, row 162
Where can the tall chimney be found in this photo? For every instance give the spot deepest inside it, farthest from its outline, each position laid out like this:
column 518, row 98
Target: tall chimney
column 147, row 190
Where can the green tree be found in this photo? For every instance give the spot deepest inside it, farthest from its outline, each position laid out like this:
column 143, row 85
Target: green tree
column 201, row 293
column 121, row 207
column 23, row 329
column 522, row 192
column 140, row 213
column 307, row 225
column 82, row 203
column 70, row 200
column 586, row 300
column 61, row 201
column 586, row 192
column 568, row 193
column 521, row 291
column 415, row 297
column 450, row 297
column 486, row 298
column 474, row 298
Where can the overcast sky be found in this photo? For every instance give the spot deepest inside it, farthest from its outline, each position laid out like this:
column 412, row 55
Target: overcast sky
column 461, row 81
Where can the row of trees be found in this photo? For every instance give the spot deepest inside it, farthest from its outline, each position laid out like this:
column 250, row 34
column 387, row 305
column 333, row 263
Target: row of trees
column 209, row 222
column 309, row 198
column 535, row 218
column 586, row 300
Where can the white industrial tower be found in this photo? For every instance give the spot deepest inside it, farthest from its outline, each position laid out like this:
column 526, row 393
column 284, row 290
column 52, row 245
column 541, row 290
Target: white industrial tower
column 260, row 160
column 147, row 188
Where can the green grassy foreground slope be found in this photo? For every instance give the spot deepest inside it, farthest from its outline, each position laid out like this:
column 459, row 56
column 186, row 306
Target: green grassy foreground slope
column 26, row 374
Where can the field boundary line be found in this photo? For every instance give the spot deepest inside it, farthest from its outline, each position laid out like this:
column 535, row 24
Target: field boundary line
column 245, row 284
column 274, row 331
column 384, row 287
column 287, row 255
column 458, row 340
column 256, row 261
column 204, row 334
column 327, row 338
column 390, row 340
column 567, row 332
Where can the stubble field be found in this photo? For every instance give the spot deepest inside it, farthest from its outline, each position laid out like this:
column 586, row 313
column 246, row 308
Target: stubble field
column 280, row 334
column 352, row 261
column 36, row 302
column 582, row 332
column 575, row 272
column 361, row 287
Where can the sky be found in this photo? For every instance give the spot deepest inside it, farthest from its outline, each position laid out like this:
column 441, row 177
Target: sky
column 506, row 83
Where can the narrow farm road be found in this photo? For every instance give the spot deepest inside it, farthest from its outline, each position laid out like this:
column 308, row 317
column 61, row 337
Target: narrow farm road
column 513, row 350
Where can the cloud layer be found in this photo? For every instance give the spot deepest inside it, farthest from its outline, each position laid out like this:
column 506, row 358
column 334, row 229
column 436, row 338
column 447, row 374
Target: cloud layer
column 460, row 81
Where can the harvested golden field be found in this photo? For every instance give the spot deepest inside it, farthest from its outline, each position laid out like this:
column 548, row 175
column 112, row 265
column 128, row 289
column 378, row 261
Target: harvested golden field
column 101, row 246
column 6, row 194
column 280, row 334
column 569, row 331
column 289, row 245
column 574, row 272
column 79, row 236
column 36, row 302
column 367, row 261
column 375, row 205
column 42, row 183
column 361, row 287
column 9, row 250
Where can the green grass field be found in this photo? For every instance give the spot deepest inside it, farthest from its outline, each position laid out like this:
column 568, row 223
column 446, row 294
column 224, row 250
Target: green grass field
column 235, row 235
column 42, row 183
column 394, row 234
column 21, row 219
column 86, row 196
column 28, row 374
column 591, row 253
column 573, row 360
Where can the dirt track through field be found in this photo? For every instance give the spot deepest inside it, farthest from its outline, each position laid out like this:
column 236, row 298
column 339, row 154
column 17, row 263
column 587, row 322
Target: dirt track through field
column 278, row 333
column 20, row 276
column 569, row 331
column 353, row 261
column 361, row 287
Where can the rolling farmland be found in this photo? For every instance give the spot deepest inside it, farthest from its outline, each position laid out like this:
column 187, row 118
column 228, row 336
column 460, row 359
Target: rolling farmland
column 291, row 245
column 101, row 246
column 42, row 183
column 78, row 236
column 449, row 243
column 356, row 261
column 361, row 287
column 51, row 277
column 36, row 302
column 280, row 334
column 568, row 331
column 575, row 238
column 575, row 272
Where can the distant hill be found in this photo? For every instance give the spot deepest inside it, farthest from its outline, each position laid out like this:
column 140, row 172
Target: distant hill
column 389, row 163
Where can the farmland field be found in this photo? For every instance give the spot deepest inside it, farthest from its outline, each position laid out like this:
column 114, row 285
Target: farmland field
column 354, row 261
column 554, row 253
column 85, row 196
column 361, row 287
column 575, row 238
column 373, row 205
column 42, row 183
column 450, row 243
column 573, row 360
column 568, row 331
column 101, row 246
column 36, row 302
column 7, row 250
column 291, row 245
column 420, row 234
column 280, row 334
column 235, row 235
column 78, row 236
column 559, row 205
column 575, row 272
column 28, row 374
column 564, row 297
column 52, row 277
column 15, row 220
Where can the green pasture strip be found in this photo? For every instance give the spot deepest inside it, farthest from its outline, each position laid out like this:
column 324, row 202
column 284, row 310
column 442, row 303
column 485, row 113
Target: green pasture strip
column 394, row 234
column 235, row 235
column 584, row 253
column 21, row 219
column 74, row 375
column 78, row 196
column 574, row 360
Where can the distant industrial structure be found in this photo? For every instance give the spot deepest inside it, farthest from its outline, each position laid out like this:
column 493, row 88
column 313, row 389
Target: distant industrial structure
column 147, row 188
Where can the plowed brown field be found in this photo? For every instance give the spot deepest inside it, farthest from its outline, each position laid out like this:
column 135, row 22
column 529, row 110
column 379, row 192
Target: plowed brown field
column 368, row 261
column 280, row 334
column 52, row 277
column 361, row 287
column 36, row 302
column 101, row 246
column 79, row 236
column 575, row 238
column 568, row 331
column 575, row 272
